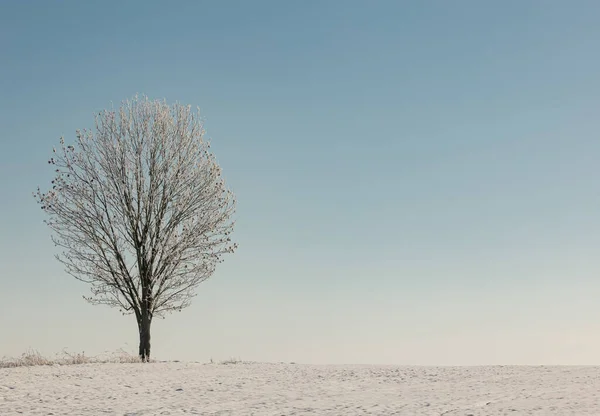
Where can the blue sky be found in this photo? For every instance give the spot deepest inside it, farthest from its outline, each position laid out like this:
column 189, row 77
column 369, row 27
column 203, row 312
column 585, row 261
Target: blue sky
column 417, row 181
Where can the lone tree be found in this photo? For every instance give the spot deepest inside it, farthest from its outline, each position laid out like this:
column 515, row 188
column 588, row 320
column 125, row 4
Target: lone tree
column 140, row 210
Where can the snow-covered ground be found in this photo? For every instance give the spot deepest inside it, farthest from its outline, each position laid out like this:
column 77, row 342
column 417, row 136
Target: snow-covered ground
column 290, row 389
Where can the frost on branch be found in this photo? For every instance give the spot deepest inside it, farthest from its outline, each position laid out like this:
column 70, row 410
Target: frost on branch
column 139, row 207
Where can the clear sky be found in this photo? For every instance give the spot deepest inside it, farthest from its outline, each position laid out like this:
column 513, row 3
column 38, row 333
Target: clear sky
column 417, row 181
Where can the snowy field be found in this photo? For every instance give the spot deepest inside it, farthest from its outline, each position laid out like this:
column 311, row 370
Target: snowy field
column 289, row 389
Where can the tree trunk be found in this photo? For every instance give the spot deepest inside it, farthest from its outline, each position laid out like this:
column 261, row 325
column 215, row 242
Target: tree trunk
column 144, row 327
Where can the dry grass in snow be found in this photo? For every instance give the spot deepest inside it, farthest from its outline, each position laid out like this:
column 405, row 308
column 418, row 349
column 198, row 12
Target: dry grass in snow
column 34, row 358
column 287, row 389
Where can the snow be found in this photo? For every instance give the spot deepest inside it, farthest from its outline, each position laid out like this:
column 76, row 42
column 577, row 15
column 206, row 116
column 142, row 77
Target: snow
column 290, row 389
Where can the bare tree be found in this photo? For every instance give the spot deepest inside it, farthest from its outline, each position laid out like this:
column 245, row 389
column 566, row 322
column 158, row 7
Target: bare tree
column 140, row 210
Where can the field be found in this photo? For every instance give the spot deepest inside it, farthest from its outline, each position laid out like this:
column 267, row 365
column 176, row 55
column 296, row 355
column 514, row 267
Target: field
column 172, row 388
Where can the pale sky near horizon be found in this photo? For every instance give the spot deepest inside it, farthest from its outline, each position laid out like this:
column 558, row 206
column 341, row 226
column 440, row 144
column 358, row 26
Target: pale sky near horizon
column 417, row 182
